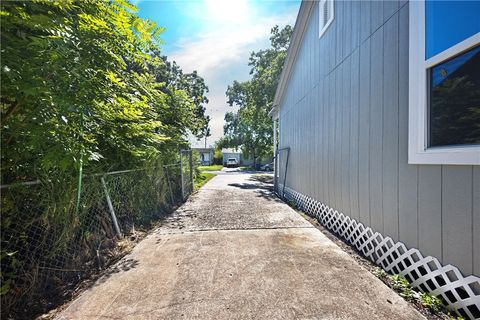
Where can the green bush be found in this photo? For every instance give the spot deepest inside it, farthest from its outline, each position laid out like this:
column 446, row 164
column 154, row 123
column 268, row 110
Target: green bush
column 218, row 157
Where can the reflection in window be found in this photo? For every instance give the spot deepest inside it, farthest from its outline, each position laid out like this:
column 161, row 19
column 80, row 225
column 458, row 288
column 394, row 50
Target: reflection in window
column 448, row 23
column 455, row 100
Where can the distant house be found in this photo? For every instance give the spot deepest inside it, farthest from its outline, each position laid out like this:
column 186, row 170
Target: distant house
column 231, row 153
column 206, row 155
column 377, row 112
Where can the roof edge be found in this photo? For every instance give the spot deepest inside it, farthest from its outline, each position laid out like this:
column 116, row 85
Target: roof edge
column 298, row 32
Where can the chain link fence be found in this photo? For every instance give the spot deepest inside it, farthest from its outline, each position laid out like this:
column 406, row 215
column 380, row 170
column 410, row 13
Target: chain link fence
column 47, row 246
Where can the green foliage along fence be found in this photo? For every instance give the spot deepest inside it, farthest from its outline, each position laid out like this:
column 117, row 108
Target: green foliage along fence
column 85, row 87
column 47, row 247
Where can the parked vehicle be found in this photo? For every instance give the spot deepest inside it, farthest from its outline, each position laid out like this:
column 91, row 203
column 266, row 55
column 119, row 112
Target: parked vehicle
column 232, row 163
column 267, row 167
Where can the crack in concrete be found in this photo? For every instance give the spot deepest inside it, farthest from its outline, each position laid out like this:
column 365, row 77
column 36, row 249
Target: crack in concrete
column 176, row 231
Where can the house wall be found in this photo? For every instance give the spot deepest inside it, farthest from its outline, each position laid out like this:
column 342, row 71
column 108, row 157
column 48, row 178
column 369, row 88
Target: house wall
column 344, row 116
column 246, row 161
column 207, row 158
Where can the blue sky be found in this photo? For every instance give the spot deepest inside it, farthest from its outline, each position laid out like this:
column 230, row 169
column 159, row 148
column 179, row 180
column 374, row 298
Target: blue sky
column 215, row 37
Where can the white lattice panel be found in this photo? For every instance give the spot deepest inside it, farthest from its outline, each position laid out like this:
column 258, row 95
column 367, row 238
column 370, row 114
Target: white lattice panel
column 461, row 294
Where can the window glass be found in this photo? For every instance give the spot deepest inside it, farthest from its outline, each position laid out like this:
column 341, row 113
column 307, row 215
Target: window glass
column 448, row 23
column 455, row 100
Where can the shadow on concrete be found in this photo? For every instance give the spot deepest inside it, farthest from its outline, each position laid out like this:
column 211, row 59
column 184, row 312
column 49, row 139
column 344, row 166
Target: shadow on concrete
column 122, row 266
column 248, row 186
column 268, row 195
column 263, row 178
column 263, row 186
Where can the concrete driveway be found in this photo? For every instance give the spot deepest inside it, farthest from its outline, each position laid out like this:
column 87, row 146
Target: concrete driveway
column 234, row 251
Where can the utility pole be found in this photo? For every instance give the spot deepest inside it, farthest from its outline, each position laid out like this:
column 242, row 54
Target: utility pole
column 206, row 131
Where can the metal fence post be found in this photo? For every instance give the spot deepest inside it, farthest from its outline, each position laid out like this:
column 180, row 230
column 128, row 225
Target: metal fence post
column 286, row 168
column 181, row 175
column 110, row 206
column 165, row 169
column 191, row 170
column 275, row 172
column 279, row 159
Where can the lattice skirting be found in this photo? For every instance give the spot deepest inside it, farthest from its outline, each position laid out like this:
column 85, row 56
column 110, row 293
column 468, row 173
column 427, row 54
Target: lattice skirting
column 460, row 294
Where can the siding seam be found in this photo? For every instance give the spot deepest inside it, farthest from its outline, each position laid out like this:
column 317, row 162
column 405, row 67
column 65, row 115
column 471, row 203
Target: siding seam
column 398, row 128
column 366, row 39
column 383, row 124
column 358, row 135
column 294, row 66
column 441, row 213
column 370, row 116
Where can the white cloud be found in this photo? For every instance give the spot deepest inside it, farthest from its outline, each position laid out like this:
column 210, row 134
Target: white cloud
column 220, row 55
column 228, row 11
column 214, row 50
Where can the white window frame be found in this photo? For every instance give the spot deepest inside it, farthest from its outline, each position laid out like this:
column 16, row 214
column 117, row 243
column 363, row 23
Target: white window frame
column 418, row 150
column 322, row 28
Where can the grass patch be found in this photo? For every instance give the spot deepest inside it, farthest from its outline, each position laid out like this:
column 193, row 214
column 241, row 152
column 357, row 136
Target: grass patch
column 247, row 169
column 215, row 167
column 203, row 178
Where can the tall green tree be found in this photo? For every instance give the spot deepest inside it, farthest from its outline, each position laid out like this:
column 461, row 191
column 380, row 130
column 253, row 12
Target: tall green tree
column 250, row 127
column 85, row 80
column 184, row 116
column 81, row 82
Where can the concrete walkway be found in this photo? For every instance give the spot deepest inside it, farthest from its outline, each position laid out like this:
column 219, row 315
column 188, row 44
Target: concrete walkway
column 234, row 251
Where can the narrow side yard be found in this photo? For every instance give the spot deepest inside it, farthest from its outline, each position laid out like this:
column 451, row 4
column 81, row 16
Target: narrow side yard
column 234, row 251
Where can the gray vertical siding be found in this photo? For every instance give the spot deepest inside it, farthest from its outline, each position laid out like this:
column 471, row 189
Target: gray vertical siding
column 376, row 119
column 390, row 121
column 476, row 220
column 407, row 174
column 457, row 205
column 354, row 131
column 430, row 205
column 364, row 137
column 345, row 117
